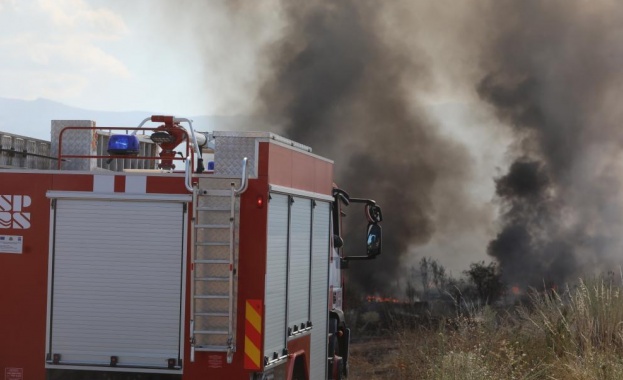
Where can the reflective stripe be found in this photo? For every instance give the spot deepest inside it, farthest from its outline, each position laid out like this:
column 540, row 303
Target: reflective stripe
column 252, row 334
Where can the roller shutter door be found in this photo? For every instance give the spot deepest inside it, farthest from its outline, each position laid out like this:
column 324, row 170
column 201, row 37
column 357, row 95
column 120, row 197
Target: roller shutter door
column 319, row 290
column 276, row 277
column 300, row 263
column 117, row 282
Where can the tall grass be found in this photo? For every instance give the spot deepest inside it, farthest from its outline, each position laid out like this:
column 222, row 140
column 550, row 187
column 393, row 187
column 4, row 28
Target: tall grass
column 573, row 334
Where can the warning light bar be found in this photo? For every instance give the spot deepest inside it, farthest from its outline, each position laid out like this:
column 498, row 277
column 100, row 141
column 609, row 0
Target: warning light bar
column 125, row 145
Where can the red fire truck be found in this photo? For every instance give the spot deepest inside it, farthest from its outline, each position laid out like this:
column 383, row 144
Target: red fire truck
column 123, row 257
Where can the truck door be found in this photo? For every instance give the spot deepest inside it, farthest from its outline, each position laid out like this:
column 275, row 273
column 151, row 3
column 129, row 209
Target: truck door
column 116, row 284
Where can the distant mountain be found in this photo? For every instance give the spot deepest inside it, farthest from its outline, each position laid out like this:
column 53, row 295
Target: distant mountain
column 32, row 118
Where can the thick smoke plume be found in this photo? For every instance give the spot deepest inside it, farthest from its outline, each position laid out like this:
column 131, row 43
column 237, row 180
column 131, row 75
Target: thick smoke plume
column 341, row 87
column 353, row 79
column 553, row 74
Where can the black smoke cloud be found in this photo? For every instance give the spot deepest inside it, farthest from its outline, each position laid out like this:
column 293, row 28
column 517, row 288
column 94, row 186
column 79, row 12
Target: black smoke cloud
column 552, row 73
column 339, row 86
column 347, row 77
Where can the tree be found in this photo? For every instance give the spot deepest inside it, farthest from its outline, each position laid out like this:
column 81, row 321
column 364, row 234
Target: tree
column 486, row 278
column 410, row 291
column 439, row 276
column 424, row 273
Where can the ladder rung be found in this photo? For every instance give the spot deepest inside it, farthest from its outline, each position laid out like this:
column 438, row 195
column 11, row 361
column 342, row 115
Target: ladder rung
column 212, row 332
column 213, row 297
column 213, row 261
column 212, row 314
column 212, row 226
column 215, row 193
column 219, row 218
column 211, row 278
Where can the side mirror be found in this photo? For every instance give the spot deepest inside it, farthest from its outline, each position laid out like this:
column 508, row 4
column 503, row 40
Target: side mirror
column 374, row 241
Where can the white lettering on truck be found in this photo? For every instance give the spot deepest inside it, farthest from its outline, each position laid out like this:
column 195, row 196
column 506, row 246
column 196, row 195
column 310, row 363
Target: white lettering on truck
column 12, row 213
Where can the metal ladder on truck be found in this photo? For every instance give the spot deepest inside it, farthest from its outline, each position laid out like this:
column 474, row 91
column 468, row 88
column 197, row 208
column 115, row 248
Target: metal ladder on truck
column 216, row 205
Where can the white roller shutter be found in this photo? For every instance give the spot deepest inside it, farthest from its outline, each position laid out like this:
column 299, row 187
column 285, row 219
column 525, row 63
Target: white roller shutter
column 319, row 290
column 276, row 276
column 117, row 282
column 299, row 266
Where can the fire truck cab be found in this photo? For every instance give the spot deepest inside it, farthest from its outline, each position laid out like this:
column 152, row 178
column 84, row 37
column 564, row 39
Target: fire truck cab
column 123, row 255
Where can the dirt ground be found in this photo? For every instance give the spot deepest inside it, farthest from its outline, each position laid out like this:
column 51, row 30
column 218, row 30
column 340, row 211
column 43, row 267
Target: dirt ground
column 374, row 358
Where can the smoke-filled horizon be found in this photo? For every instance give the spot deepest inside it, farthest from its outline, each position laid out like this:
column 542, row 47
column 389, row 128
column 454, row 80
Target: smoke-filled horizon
column 553, row 72
column 526, row 171
column 341, row 87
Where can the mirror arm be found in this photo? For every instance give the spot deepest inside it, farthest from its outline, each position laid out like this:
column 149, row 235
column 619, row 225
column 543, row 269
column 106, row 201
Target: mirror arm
column 373, row 212
column 369, row 202
column 342, row 195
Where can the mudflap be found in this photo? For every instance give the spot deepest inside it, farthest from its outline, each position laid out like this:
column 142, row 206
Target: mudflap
column 345, row 350
column 336, row 368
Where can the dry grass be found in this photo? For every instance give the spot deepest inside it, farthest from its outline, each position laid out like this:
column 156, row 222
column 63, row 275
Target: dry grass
column 575, row 334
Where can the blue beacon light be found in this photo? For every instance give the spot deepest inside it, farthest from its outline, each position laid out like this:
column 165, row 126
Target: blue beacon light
column 124, row 145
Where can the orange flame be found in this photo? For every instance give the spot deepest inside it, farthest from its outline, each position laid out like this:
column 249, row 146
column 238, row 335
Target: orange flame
column 382, row 299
